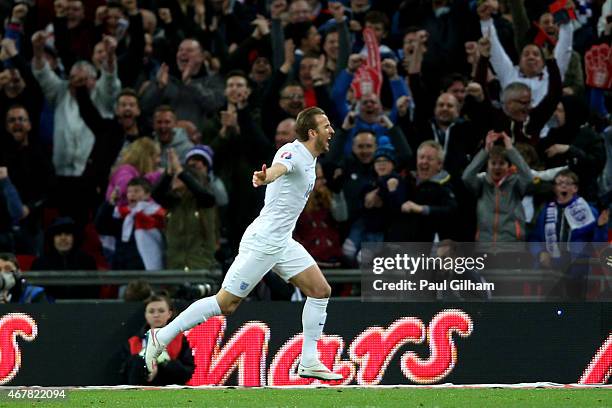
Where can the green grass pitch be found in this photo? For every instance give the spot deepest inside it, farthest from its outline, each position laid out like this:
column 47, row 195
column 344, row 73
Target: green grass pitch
column 328, row 397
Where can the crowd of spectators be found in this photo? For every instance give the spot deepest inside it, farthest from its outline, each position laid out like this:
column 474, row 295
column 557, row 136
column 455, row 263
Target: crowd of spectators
column 131, row 128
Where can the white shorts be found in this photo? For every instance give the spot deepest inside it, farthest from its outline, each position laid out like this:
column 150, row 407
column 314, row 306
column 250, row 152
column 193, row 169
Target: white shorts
column 251, row 265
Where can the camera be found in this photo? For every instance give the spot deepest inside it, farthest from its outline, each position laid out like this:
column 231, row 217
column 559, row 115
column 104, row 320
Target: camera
column 7, row 280
column 560, row 12
column 195, row 291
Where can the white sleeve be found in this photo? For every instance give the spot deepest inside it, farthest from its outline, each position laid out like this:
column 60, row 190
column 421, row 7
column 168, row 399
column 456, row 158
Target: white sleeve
column 339, row 208
column 548, row 174
column 286, row 156
column 107, row 88
column 606, row 9
column 502, row 64
column 219, row 191
column 563, row 49
column 49, row 82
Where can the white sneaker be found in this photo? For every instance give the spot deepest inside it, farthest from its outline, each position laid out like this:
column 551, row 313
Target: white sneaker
column 153, row 348
column 318, row 371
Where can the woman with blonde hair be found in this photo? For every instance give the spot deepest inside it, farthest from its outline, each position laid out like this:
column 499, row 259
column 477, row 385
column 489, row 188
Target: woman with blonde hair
column 140, row 158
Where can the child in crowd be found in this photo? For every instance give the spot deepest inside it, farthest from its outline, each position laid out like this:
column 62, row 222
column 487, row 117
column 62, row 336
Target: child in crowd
column 501, row 217
column 137, row 227
column 373, row 223
column 174, row 366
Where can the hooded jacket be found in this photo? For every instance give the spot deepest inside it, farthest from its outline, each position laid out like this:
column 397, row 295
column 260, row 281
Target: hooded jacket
column 191, row 222
column 180, row 143
column 499, row 211
column 73, row 260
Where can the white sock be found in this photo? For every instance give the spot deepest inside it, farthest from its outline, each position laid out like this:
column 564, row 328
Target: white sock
column 195, row 314
column 313, row 320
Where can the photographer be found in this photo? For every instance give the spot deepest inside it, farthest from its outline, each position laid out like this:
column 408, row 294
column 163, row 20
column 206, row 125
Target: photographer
column 13, row 287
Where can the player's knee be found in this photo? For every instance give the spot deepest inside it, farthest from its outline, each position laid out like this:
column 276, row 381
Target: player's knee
column 228, row 309
column 228, row 306
column 321, row 291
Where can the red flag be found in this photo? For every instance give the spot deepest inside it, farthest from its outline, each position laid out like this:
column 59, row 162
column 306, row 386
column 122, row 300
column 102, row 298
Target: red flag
column 368, row 78
column 559, row 9
column 542, row 38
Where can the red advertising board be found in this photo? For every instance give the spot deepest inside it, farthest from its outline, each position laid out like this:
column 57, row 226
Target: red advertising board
column 481, row 343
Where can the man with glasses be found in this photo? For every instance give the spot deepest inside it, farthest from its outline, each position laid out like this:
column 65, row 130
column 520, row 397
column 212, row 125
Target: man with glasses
column 522, row 116
column 17, row 85
column 27, row 161
column 281, row 105
column 292, row 99
column 562, row 230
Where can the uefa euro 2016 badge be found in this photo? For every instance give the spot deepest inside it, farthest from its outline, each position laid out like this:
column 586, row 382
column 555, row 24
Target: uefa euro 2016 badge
column 605, row 258
column 243, row 285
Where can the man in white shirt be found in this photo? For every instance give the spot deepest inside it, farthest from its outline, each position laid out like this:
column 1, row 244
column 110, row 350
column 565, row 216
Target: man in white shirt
column 72, row 139
column 531, row 69
column 267, row 244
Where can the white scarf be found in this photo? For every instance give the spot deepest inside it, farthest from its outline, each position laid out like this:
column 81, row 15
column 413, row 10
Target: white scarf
column 577, row 214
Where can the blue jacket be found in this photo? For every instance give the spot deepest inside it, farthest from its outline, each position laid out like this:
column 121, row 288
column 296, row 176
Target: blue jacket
column 590, row 233
column 341, row 86
column 576, row 245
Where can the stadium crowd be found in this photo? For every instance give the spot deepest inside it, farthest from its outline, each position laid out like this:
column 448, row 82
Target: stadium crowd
column 131, row 128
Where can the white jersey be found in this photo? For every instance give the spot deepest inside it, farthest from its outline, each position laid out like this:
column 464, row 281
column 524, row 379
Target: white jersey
column 285, row 200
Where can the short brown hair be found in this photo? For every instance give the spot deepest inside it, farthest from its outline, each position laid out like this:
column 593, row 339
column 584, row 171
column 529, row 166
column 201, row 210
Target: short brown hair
column 137, row 291
column 498, row 152
column 9, row 257
column 158, row 297
column 164, row 108
column 377, row 17
column 237, row 73
column 128, row 92
column 569, row 174
column 305, row 121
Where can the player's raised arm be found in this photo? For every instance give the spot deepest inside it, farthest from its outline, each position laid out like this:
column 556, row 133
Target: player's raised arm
column 268, row 175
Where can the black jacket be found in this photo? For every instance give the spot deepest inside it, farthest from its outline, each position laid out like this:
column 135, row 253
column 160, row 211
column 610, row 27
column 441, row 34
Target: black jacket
column 75, row 260
column 174, row 371
column 438, row 196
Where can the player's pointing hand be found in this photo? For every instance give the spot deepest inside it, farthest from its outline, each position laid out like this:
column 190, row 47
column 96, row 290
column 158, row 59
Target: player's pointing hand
column 259, row 177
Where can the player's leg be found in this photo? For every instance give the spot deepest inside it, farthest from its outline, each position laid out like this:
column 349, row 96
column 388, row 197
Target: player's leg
column 222, row 303
column 196, row 313
column 312, row 284
column 246, row 271
column 299, row 268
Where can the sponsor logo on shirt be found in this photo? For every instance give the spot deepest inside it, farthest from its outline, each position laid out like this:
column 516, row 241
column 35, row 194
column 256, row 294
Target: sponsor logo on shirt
column 286, row 155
